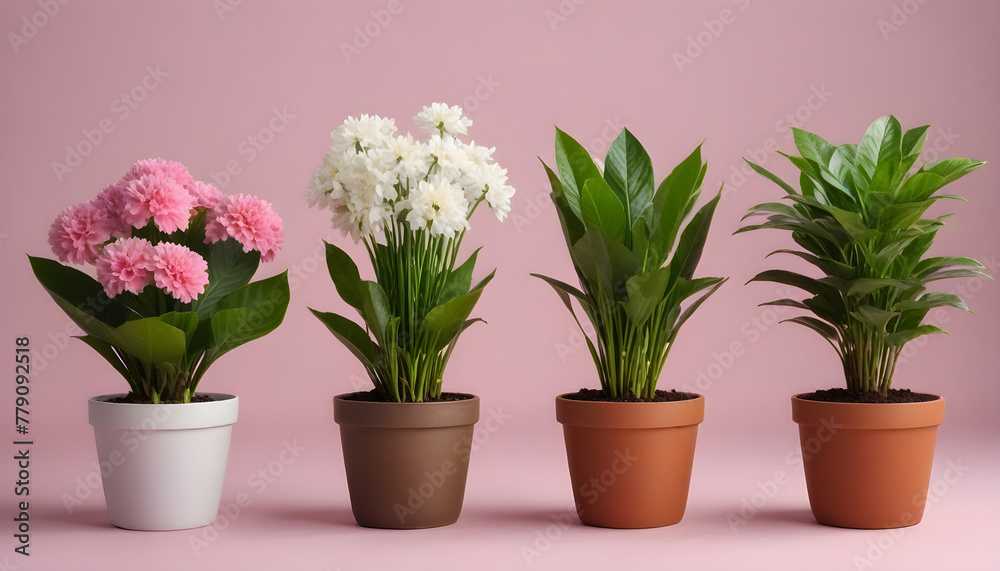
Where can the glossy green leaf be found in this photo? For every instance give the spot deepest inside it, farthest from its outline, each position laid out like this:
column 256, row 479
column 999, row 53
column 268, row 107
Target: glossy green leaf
column 601, row 209
column 351, row 335
column 575, row 167
column 345, row 275
column 628, row 171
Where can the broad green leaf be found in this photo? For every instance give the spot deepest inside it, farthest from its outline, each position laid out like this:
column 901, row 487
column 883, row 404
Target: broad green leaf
column 645, row 292
column 351, row 335
column 673, row 200
column 931, row 300
column 569, row 218
column 874, row 317
column 265, row 302
column 601, row 209
column 605, row 263
column 185, row 321
column 823, row 328
column 900, row 338
column 105, row 350
column 575, row 167
column 375, row 309
column 865, row 286
column 229, row 268
column 225, row 323
column 345, row 275
column 793, row 279
column 692, row 287
column 150, row 340
column 882, row 143
column 813, row 147
column 629, row 172
column 688, row 253
column 445, row 321
column 459, row 280
column 771, row 177
column 913, row 141
column 71, row 288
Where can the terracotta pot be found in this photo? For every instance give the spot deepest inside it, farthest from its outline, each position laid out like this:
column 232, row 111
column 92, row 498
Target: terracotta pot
column 867, row 466
column 163, row 465
column 630, row 463
column 406, row 463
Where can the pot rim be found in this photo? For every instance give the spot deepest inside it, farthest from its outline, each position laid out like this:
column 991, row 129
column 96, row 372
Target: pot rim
column 868, row 415
column 603, row 414
column 405, row 414
column 223, row 411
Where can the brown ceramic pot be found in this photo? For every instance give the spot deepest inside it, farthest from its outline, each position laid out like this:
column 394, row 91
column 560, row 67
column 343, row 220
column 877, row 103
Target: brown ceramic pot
column 406, row 463
column 867, row 466
column 630, row 463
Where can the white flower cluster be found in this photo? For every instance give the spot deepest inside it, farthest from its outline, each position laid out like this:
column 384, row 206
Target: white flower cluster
column 371, row 176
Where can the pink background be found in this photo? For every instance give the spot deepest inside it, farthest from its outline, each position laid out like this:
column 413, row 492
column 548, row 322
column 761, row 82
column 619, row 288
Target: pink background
column 220, row 76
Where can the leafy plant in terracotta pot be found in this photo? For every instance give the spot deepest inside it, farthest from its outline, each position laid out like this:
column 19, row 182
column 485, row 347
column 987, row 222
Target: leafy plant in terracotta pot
column 173, row 259
column 635, row 247
column 409, row 202
column 858, row 217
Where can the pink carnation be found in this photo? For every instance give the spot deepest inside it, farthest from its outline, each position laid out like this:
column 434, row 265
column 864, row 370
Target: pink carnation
column 204, row 194
column 249, row 220
column 78, row 232
column 125, row 265
column 170, row 169
column 112, row 201
column 179, row 271
column 158, row 196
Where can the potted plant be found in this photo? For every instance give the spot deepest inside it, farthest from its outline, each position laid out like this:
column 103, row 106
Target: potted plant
column 406, row 443
column 173, row 259
column 858, row 218
column 630, row 446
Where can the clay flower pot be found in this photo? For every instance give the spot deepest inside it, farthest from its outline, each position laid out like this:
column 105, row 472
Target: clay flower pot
column 867, row 466
column 630, row 463
column 163, row 465
column 406, row 463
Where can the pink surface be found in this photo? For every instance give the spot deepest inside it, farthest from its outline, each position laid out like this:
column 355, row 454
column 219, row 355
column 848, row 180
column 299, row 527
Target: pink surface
column 246, row 93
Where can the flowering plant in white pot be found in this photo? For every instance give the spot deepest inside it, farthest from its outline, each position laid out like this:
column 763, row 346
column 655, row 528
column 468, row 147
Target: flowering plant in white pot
column 409, row 202
column 173, row 259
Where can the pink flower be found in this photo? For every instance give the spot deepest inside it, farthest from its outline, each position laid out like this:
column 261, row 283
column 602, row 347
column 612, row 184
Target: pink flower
column 125, row 265
column 179, row 271
column 78, row 232
column 249, row 220
column 158, row 196
column 170, row 169
column 112, row 201
column 204, row 194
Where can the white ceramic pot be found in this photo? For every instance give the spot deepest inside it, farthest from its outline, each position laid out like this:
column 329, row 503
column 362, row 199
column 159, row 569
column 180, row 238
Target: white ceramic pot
column 163, row 465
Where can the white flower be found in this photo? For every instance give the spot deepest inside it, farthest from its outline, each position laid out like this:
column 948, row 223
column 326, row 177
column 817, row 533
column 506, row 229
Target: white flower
column 440, row 118
column 412, row 159
column 322, row 184
column 369, row 131
column 438, row 205
column 498, row 193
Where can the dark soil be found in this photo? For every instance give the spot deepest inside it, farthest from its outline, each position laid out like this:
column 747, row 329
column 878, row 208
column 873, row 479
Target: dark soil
column 660, row 396
column 133, row 398
column 843, row 395
column 375, row 396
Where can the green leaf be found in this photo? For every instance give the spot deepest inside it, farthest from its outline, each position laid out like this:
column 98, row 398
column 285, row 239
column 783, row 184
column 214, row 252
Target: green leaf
column 186, row 322
column 674, row 199
column 601, row 209
column 605, row 263
column 150, row 340
column 224, row 324
column 375, row 310
column 445, row 321
column 882, row 143
column 645, row 292
column 229, row 268
column 345, row 275
column 572, row 225
column 690, row 288
column 771, row 177
column 629, row 173
column 865, row 286
column 79, row 295
column 823, row 328
column 351, row 335
column 793, row 279
column 900, row 338
column 813, row 147
column 105, row 350
column 931, row 300
column 459, row 280
column 874, row 317
column 575, row 167
column 692, row 242
column 564, row 290
column 264, row 301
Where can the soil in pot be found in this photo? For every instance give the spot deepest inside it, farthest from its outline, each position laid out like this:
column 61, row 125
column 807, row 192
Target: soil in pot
column 597, row 395
column 844, row 395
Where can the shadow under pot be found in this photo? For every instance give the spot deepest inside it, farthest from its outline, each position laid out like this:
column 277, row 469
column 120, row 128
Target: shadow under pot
column 406, row 463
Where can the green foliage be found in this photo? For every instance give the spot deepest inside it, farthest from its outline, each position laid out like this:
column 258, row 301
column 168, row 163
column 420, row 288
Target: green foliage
column 413, row 313
column 858, row 218
column 634, row 255
column 163, row 347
